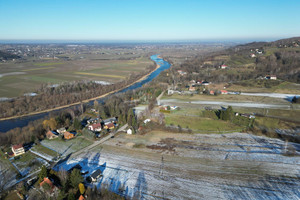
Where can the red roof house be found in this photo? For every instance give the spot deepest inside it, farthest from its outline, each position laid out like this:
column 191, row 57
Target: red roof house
column 224, row 92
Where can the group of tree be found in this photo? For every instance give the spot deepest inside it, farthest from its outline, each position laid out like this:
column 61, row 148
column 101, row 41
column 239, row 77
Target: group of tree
column 69, row 186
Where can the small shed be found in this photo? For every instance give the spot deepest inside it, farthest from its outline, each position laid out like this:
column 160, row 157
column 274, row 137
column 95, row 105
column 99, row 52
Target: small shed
column 129, row 131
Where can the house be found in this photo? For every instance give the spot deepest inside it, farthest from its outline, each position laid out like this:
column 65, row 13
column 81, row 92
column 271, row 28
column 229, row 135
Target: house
column 69, row 135
column 95, row 175
column 110, row 120
column 61, row 130
column 52, row 135
column 211, row 92
column 224, row 92
column 18, row 149
column 271, row 77
column 94, row 127
column 49, row 182
column 81, row 198
column 109, row 126
column 92, row 120
column 205, row 83
column 174, row 107
column 181, row 72
column 223, row 66
column 252, row 55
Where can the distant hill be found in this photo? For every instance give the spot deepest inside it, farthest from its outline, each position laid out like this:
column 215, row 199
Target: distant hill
column 7, row 56
column 248, row 61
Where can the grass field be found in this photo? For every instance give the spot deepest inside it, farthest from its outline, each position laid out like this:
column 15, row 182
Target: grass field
column 200, row 123
column 23, row 77
column 44, row 150
column 65, row 147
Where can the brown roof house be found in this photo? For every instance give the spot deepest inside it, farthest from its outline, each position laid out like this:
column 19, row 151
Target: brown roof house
column 52, row 135
column 109, row 126
column 18, row 149
column 47, row 181
column 95, row 127
column 69, row 135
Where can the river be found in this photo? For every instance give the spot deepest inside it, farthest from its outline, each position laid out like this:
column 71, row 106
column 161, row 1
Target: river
column 7, row 125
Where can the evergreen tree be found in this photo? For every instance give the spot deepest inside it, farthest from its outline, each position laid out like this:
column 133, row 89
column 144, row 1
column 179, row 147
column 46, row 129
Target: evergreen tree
column 43, row 173
column 71, row 196
column 77, row 124
column 75, row 178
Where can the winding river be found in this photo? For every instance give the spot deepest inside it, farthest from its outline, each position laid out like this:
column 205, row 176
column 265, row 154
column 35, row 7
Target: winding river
column 9, row 124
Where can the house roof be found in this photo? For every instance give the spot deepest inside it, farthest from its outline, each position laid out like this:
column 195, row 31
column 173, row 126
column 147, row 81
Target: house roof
column 110, row 125
column 47, row 180
column 95, row 125
column 81, row 197
column 66, row 134
column 96, row 173
column 110, row 120
column 17, row 146
column 224, row 91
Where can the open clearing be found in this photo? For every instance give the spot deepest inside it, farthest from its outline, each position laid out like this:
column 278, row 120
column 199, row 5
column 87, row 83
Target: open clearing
column 193, row 166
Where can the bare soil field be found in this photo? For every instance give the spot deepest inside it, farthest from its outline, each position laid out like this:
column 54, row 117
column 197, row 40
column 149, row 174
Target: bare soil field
column 195, row 166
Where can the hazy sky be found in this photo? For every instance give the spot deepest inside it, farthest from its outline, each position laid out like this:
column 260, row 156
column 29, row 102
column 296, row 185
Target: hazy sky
column 148, row 19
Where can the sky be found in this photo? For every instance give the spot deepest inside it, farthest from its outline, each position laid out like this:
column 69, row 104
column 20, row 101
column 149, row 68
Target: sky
column 148, row 19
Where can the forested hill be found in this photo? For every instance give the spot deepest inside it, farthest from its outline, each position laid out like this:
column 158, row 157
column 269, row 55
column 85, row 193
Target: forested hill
column 248, row 61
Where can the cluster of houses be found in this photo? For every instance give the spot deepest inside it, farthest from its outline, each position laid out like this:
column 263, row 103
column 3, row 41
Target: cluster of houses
column 97, row 124
column 256, row 51
column 52, row 134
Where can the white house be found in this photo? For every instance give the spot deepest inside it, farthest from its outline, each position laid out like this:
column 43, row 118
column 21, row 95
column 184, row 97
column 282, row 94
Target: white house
column 223, row 66
column 18, row 149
